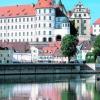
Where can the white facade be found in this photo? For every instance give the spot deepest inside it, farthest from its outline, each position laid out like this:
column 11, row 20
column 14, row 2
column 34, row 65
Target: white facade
column 22, row 57
column 6, row 56
column 37, row 27
column 96, row 29
column 81, row 17
column 34, row 53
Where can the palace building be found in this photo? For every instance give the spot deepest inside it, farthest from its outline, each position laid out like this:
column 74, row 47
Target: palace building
column 41, row 22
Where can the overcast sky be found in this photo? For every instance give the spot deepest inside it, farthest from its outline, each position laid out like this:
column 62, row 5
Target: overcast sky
column 93, row 5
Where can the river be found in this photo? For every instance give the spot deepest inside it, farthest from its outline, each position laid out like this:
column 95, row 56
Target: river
column 50, row 87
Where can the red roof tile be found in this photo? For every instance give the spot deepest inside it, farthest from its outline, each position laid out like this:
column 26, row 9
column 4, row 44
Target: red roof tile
column 97, row 21
column 44, row 4
column 18, row 10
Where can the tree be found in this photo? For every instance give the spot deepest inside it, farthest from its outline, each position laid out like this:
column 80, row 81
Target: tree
column 96, row 46
column 90, row 58
column 68, row 46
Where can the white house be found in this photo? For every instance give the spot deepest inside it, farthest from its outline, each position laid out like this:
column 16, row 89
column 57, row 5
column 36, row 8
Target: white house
column 6, row 55
column 96, row 27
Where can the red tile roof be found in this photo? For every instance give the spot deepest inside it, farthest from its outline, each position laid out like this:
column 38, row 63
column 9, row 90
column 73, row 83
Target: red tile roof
column 26, row 10
column 18, row 10
column 16, row 46
column 97, row 21
column 44, row 4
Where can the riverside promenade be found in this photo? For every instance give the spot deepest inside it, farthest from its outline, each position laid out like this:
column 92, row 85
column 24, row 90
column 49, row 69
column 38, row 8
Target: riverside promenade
column 41, row 68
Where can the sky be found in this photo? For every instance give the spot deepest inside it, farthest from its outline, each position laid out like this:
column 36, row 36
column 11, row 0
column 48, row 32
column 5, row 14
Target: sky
column 93, row 5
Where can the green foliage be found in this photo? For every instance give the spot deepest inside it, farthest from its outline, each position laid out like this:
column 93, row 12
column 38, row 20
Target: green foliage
column 90, row 57
column 97, row 46
column 68, row 45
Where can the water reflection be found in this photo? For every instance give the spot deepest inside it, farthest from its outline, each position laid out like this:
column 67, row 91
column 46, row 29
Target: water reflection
column 65, row 87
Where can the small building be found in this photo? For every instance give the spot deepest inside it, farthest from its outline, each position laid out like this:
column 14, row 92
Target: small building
column 6, row 55
column 82, row 49
column 96, row 27
column 22, row 57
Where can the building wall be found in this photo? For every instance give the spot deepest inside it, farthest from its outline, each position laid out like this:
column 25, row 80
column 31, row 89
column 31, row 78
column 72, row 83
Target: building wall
column 6, row 56
column 22, row 57
column 81, row 17
column 96, row 29
column 19, row 29
column 38, row 28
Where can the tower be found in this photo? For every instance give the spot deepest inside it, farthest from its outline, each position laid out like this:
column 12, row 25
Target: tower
column 45, row 17
column 81, row 17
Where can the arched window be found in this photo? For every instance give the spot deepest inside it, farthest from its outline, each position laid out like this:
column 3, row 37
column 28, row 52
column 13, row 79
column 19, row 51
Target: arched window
column 50, row 39
column 37, row 40
column 44, row 39
column 58, row 38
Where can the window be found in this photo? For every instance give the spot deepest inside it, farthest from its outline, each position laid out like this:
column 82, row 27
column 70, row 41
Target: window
column 12, row 27
column 49, row 32
column 38, row 32
column 27, row 33
column 31, row 19
column 49, row 24
column 74, row 15
column 31, row 33
column 19, row 33
column 8, row 20
column 44, row 39
column 50, row 39
column 23, row 26
column 77, row 21
column 49, row 17
column 39, row 11
column 79, row 15
column 23, row 19
column 39, row 25
column 84, row 21
column 19, row 19
column 12, row 20
column 1, row 21
column 16, row 20
column 27, row 19
column 15, row 26
column 44, row 25
column 8, row 27
column 84, row 14
column 44, row 18
column 19, row 26
column 49, row 10
column 84, row 28
column 44, row 32
column 44, row 10
column 23, row 33
column 27, row 26
column 31, row 26
column 39, row 17
column 37, row 40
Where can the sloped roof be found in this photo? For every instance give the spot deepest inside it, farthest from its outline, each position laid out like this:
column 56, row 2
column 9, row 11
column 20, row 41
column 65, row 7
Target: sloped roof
column 17, row 11
column 97, row 21
column 86, row 45
column 16, row 46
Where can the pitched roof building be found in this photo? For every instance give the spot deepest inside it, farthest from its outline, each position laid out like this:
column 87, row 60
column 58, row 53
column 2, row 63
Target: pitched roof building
column 41, row 22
